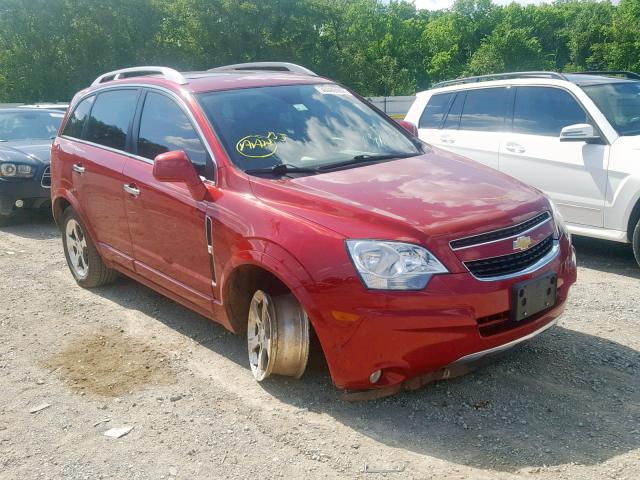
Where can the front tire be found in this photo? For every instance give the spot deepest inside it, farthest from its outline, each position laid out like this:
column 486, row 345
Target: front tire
column 636, row 242
column 83, row 258
column 277, row 336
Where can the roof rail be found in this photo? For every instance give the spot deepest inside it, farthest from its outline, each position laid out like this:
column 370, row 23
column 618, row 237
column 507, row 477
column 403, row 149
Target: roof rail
column 608, row 73
column 500, row 76
column 168, row 73
column 268, row 66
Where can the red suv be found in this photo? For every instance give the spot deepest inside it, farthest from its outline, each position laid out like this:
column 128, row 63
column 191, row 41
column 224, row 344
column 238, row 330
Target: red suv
column 280, row 204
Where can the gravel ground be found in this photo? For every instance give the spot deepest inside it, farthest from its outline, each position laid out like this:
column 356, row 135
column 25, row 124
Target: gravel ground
column 566, row 405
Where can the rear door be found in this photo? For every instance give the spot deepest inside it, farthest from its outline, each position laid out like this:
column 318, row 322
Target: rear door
column 95, row 164
column 573, row 174
column 473, row 123
column 168, row 227
column 432, row 118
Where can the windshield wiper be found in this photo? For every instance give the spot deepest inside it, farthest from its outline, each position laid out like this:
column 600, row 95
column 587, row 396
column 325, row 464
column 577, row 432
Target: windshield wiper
column 367, row 159
column 282, row 169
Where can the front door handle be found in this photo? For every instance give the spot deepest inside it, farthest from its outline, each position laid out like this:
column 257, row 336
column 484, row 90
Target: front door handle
column 131, row 189
column 515, row 147
column 77, row 167
column 447, row 139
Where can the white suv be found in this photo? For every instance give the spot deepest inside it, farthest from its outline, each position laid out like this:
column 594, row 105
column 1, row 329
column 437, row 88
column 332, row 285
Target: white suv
column 574, row 136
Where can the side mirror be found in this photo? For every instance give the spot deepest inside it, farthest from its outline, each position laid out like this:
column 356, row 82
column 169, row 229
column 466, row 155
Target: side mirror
column 409, row 127
column 580, row 132
column 176, row 167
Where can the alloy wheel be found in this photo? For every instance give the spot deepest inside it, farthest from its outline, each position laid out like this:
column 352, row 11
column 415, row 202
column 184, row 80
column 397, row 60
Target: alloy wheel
column 277, row 336
column 77, row 248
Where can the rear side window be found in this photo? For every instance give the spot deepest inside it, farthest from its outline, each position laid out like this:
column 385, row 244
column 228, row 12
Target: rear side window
column 110, row 118
column 164, row 127
column 485, row 109
column 545, row 111
column 436, row 109
column 76, row 121
column 453, row 119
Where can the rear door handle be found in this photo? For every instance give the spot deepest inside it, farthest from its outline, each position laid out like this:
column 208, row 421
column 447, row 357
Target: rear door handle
column 447, row 139
column 515, row 147
column 77, row 167
column 131, row 189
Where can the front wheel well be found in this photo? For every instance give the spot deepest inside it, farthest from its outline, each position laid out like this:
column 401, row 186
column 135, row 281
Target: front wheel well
column 240, row 287
column 633, row 220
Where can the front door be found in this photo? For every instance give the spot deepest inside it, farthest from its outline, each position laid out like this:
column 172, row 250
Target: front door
column 573, row 174
column 168, row 227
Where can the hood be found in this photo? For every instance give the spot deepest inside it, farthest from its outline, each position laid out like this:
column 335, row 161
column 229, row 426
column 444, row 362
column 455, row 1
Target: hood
column 26, row 151
column 435, row 195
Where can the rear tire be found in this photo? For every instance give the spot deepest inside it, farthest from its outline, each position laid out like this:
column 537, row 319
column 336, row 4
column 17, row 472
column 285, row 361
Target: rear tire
column 83, row 258
column 636, row 242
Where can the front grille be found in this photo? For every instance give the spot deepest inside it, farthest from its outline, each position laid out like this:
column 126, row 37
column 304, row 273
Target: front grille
column 512, row 263
column 46, row 178
column 501, row 234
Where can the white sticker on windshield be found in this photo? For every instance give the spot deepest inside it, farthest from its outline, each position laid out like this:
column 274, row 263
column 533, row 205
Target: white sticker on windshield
column 301, row 107
column 56, row 115
column 331, row 89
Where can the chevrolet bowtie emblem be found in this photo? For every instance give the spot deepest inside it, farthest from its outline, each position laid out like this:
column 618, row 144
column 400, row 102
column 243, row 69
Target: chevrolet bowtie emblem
column 522, row 243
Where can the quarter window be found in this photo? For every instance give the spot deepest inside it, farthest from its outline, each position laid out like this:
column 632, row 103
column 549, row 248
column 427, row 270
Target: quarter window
column 76, row 121
column 164, row 127
column 545, row 111
column 110, row 117
column 453, row 118
column 484, row 109
column 436, row 109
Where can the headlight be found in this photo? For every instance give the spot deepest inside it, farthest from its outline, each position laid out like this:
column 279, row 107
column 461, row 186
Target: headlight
column 16, row 170
column 393, row 265
column 561, row 227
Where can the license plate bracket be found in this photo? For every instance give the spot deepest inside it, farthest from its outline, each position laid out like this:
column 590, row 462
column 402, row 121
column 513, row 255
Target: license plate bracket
column 533, row 296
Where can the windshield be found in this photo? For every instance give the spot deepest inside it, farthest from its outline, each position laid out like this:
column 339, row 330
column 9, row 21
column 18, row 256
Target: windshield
column 620, row 103
column 29, row 125
column 301, row 126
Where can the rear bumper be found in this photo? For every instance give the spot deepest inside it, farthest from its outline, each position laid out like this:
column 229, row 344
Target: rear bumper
column 408, row 335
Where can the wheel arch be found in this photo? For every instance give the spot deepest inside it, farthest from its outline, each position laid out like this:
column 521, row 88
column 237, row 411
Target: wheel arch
column 634, row 217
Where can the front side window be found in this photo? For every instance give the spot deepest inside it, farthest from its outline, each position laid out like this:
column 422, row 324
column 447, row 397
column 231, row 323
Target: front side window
column 110, row 118
column 164, row 127
column 620, row 103
column 545, row 111
column 435, row 110
column 302, row 126
column 25, row 124
column 77, row 119
column 485, row 109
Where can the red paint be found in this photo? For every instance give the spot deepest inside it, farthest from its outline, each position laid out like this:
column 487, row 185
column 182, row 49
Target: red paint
column 409, row 127
column 176, row 167
column 296, row 229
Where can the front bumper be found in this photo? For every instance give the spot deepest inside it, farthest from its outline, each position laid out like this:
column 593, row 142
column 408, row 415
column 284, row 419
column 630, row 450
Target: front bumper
column 408, row 335
column 35, row 191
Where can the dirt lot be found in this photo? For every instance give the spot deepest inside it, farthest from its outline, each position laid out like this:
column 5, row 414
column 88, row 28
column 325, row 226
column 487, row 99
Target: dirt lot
column 567, row 405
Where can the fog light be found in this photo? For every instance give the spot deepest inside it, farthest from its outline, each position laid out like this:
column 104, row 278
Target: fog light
column 19, row 204
column 375, row 376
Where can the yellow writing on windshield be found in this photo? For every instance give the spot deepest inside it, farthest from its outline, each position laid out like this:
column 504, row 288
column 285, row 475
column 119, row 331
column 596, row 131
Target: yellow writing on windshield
column 260, row 146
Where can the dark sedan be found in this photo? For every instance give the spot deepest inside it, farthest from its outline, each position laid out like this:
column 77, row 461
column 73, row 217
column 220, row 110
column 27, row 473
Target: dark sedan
column 26, row 135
